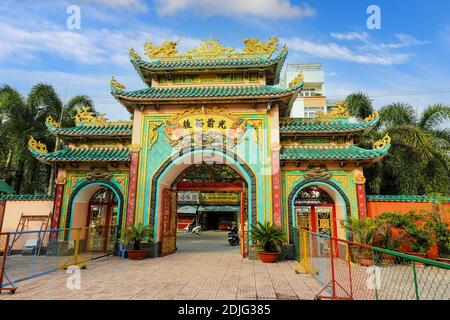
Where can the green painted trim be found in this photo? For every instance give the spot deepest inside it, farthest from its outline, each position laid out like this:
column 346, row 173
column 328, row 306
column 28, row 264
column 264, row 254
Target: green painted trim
column 404, row 198
column 26, row 197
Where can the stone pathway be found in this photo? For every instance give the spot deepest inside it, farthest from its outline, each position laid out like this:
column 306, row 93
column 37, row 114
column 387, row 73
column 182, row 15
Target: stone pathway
column 204, row 267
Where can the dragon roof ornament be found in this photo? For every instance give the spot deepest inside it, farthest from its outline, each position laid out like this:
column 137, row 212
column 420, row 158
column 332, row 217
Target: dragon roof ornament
column 37, row 146
column 116, row 85
column 52, row 122
column 210, row 48
column 382, row 142
column 86, row 116
column 134, row 55
column 256, row 46
column 372, row 117
column 339, row 111
column 297, row 80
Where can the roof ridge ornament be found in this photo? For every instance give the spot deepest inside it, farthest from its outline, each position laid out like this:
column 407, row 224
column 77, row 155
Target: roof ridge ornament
column 297, row 80
column 256, row 46
column 372, row 117
column 49, row 121
column 166, row 49
column 116, row 85
column 382, row 143
column 134, row 55
column 210, row 47
column 339, row 111
column 86, row 116
column 37, row 146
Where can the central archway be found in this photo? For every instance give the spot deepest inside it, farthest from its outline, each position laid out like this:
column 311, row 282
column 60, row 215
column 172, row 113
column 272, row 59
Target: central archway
column 171, row 169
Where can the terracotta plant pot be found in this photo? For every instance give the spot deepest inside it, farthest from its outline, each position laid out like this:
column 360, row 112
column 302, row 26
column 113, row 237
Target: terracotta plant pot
column 268, row 257
column 137, row 254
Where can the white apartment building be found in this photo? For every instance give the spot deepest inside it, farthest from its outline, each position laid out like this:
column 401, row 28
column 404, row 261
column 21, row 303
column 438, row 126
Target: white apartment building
column 312, row 97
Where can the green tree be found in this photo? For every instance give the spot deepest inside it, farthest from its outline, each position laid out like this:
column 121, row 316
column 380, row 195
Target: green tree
column 359, row 105
column 22, row 117
column 418, row 162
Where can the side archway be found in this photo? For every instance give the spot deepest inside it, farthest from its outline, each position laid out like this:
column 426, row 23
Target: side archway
column 339, row 193
column 92, row 184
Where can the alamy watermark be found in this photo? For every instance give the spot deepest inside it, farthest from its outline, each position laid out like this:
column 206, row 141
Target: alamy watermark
column 374, row 20
column 73, row 21
column 74, row 280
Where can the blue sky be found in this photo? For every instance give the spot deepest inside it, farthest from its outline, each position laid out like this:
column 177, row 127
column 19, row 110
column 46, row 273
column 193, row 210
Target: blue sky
column 406, row 60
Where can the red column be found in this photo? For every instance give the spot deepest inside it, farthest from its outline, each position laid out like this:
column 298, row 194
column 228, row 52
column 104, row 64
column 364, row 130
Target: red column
column 132, row 187
column 361, row 196
column 276, row 187
column 2, row 213
column 57, row 205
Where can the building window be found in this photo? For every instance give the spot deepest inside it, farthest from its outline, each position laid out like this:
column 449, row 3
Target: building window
column 308, row 92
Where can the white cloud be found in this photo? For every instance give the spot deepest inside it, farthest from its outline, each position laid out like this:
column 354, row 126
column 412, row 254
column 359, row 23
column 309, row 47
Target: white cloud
column 135, row 5
column 403, row 40
column 332, row 50
column 275, row 9
column 87, row 46
column 362, row 36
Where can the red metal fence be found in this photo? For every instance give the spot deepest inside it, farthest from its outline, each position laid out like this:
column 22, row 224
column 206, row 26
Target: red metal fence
column 353, row 271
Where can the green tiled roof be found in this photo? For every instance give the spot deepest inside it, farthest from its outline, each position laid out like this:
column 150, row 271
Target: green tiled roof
column 403, row 198
column 27, row 197
column 293, row 125
column 4, row 187
column 206, row 92
column 95, row 130
column 85, row 154
column 332, row 153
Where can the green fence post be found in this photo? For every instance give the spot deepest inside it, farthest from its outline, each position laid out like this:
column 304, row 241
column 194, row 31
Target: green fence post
column 375, row 275
column 416, row 287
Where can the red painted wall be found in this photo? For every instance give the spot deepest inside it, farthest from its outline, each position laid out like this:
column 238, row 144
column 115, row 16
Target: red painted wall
column 376, row 208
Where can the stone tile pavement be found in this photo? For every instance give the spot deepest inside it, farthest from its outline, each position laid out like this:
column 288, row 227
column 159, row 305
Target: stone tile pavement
column 204, row 267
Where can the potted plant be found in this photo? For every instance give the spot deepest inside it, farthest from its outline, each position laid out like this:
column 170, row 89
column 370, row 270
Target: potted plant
column 269, row 238
column 136, row 235
column 362, row 231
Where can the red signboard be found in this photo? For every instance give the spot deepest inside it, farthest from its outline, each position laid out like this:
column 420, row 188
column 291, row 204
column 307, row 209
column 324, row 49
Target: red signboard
column 132, row 188
column 361, row 194
column 276, row 188
column 57, row 205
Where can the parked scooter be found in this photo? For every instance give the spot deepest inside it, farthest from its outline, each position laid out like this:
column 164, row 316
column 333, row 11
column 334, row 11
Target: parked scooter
column 197, row 230
column 193, row 228
column 233, row 236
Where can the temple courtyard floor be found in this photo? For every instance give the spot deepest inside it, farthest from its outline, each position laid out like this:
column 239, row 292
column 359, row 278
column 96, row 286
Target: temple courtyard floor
column 204, row 267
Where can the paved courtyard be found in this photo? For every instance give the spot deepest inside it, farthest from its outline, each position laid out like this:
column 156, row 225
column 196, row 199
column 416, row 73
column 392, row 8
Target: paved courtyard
column 204, row 267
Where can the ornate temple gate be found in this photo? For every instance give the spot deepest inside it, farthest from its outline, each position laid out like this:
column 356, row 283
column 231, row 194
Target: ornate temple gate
column 169, row 211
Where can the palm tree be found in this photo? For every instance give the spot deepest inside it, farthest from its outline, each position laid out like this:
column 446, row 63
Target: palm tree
column 359, row 105
column 418, row 162
column 22, row 117
column 44, row 96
